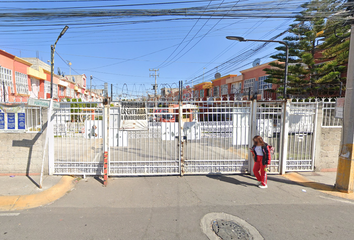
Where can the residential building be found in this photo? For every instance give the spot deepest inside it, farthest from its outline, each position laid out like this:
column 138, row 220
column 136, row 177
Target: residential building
column 40, row 67
column 15, row 82
column 23, row 78
column 254, row 83
column 166, row 93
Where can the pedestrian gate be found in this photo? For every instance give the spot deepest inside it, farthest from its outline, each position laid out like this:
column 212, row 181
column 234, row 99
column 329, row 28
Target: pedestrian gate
column 176, row 138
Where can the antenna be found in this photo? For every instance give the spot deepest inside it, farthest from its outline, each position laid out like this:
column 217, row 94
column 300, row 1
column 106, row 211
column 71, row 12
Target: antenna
column 256, row 62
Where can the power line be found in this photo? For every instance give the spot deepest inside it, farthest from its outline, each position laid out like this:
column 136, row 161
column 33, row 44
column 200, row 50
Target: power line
column 185, row 38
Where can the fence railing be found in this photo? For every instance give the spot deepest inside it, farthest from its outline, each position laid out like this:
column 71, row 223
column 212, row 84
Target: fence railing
column 34, row 119
column 328, row 115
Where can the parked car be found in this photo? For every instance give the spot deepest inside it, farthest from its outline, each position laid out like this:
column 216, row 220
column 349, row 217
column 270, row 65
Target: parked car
column 158, row 114
column 168, row 118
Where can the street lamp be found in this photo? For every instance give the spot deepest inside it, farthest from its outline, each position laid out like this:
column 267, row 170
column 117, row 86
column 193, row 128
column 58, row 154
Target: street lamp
column 241, row 39
column 52, row 48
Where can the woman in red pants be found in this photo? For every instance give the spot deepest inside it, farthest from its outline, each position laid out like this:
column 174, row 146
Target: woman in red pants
column 261, row 155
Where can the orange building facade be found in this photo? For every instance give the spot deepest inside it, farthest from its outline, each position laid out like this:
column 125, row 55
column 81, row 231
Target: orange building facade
column 21, row 79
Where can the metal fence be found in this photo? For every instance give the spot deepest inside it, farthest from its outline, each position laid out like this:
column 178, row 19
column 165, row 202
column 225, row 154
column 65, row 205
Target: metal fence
column 154, row 151
column 34, row 119
column 191, row 137
column 328, row 115
column 301, row 136
column 78, row 139
column 217, row 139
column 269, row 126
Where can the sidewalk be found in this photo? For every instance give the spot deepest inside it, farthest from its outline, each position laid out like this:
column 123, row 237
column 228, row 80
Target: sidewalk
column 321, row 181
column 23, row 185
column 22, row 192
column 328, row 178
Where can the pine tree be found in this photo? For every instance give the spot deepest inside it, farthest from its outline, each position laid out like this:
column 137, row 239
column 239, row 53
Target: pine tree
column 302, row 41
column 334, row 55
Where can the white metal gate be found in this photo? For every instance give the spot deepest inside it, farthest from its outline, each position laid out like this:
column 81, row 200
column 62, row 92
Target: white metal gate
column 268, row 124
column 217, row 139
column 154, row 151
column 194, row 137
column 78, row 138
column 301, row 136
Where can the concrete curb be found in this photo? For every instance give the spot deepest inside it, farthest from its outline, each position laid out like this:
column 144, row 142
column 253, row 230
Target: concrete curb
column 21, row 202
column 295, row 177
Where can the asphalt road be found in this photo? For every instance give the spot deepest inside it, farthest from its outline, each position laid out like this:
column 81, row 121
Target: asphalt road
column 172, row 207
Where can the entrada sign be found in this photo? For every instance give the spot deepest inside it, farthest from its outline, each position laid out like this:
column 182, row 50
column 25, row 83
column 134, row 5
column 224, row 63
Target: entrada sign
column 42, row 103
column 133, row 116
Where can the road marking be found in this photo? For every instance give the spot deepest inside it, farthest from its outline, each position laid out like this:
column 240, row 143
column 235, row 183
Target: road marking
column 9, row 214
column 338, row 200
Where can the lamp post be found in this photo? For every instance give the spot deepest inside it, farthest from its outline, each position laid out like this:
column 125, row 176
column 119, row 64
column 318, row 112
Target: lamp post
column 52, row 50
column 241, row 39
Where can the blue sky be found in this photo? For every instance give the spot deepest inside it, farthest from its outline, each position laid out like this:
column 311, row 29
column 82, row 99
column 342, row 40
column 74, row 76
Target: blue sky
column 123, row 53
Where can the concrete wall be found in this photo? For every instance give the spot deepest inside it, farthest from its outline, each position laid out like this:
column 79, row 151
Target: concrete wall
column 328, row 142
column 22, row 153
column 327, row 156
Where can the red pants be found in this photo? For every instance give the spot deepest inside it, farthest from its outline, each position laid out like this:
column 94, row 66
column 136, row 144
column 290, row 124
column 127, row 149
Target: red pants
column 259, row 166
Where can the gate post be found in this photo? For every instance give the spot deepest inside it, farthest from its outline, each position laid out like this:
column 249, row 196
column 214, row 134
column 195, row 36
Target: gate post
column 180, row 138
column 285, row 135
column 105, row 142
column 50, row 138
column 253, row 132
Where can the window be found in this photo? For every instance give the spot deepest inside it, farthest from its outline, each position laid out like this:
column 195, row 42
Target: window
column 72, row 93
column 236, row 87
column 196, row 94
column 249, row 83
column 21, row 81
column 55, row 90
column 6, row 77
column 61, row 91
column 209, row 92
column 46, row 88
column 216, row 91
column 264, row 85
column 35, row 88
column 224, row 90
column 202, row 93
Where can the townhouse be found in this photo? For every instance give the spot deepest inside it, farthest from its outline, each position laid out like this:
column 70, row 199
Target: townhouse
column 24, row 78
column 249, row 85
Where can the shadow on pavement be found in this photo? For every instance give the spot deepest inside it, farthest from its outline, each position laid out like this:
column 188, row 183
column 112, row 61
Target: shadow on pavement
column 98, row 179
column 275, row 178
column 231, row 180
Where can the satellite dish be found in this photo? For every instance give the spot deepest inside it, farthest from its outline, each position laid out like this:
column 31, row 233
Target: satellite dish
column 217, row 75
column 256, row 62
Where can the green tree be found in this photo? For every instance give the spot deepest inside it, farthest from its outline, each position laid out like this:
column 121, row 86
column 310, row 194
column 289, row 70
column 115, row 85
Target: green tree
column 334, row 53
column 303, row 38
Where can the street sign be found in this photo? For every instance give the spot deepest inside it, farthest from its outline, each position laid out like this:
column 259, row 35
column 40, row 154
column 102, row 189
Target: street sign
column 133, row 116
column 42, row 103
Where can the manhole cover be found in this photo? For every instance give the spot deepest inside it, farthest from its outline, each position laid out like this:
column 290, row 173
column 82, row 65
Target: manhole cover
column 227, row 230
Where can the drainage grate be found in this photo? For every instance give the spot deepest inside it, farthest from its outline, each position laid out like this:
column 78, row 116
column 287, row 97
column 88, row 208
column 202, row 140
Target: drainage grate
column 228, row 230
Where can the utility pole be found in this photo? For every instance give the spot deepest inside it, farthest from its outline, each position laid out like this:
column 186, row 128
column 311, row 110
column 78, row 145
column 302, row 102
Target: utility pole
column 203, row 73
column 155, row 74
column 111, row 92
column 91, row 87
column 345, row 170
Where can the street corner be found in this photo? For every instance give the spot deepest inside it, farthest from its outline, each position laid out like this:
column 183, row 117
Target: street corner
column 21, row 202
column 318, row 185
